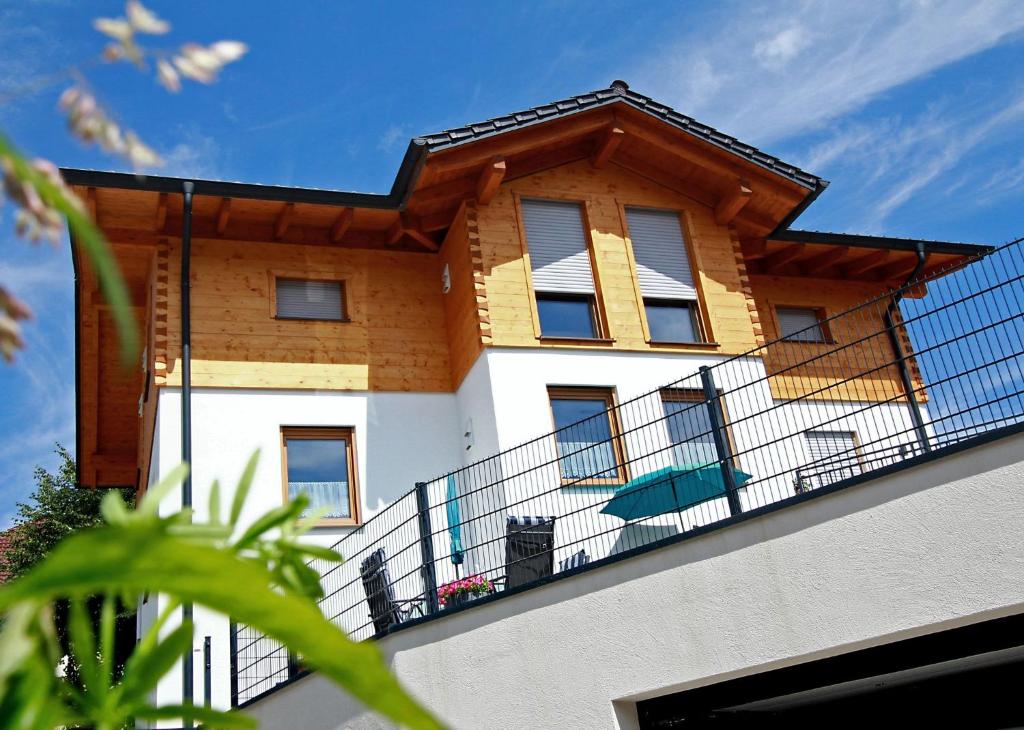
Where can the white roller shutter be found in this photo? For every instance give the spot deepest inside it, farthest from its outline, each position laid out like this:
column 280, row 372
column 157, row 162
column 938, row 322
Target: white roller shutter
column 799, row 324
column 833, row 450
column 662, row 264
column 558, row 247
column 301, row 299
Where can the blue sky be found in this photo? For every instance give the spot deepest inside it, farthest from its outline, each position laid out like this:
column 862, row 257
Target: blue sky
column 914, row 111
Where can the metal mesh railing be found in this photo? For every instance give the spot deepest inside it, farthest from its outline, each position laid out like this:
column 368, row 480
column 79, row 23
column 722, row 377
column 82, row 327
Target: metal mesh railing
column 933, row 364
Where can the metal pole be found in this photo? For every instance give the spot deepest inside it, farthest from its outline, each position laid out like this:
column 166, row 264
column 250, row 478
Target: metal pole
column 716, row 416
column 233, row 659
column 207, row 674
column 426, row 547
column 901, row 356
column 187, row 187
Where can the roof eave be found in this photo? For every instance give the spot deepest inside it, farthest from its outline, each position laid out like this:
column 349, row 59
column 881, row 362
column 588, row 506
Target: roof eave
column 880, row 242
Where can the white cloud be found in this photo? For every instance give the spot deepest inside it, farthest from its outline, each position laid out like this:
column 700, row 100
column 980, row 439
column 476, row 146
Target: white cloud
column 952, row 146
column 779, row 50
column 773, row 70
column 393, row 136
column 194, row 155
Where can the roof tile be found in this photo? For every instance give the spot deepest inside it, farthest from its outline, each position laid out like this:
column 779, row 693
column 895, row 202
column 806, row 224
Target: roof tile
column 619, row 93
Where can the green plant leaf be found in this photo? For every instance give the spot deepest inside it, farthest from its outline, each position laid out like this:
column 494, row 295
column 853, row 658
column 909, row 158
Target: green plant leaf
column 147, row 665
column 138, row 557
column 214, row 506
column 274, row 518
column 244, row 483
column 91, row 241
column 209, row 718
column 150, row 504
column 318, row 552
column 83, row 644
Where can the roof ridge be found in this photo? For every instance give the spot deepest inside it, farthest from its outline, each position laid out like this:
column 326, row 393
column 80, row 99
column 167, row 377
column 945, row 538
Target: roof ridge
column 617, row 92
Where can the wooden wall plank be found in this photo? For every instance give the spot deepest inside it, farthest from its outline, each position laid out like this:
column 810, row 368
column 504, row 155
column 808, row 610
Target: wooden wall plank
column 604, row 192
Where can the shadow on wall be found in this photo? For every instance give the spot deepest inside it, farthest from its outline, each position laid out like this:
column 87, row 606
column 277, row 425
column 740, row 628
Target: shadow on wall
column 636, row 535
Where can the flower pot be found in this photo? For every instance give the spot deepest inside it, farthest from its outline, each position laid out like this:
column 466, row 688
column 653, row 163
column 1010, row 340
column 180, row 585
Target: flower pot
column 460, row 598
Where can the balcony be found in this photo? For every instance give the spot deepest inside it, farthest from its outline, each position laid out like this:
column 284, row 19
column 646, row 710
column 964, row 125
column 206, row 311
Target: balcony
column 918, row 375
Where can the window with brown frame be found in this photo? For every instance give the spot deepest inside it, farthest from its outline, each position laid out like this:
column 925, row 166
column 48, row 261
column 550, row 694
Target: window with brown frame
column 587, row 436
column 689, row 427
column 310, row 299
column 803, row 324
column 320, row 463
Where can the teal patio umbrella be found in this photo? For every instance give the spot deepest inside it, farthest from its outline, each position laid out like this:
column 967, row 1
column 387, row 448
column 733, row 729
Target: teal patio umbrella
column 671, row 489
column 454, row 523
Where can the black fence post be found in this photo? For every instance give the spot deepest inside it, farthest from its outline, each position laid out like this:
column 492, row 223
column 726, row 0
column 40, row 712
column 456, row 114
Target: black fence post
column 293, row 665
column 233, row 659
column 207, row 673
column 426, row 547
column 717, row 417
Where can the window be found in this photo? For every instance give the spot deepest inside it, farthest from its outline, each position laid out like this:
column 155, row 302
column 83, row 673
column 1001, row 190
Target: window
column 587, row 436
column 562, row 275
column 320, row 463
column 665, row 276
column 306, row 299
column 672, row 321
column 835, row 455
column 566, row 315
column 802, row 324
column 689, row 427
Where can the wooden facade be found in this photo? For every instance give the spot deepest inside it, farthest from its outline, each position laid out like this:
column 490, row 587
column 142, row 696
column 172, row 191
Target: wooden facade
column 829, row 372
column 405, row 334
column 604, row 193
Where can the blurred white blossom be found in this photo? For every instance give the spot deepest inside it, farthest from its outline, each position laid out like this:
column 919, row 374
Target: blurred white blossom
column 90, row 123
column 38, row 219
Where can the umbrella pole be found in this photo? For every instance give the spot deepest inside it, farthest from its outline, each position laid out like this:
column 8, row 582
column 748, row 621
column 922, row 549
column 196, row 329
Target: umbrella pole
column 675, row 496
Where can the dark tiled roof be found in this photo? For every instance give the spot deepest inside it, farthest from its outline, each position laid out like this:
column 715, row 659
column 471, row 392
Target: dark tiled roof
column 618, row 92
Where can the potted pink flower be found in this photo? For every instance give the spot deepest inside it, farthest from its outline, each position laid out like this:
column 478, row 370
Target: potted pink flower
column 464, row 590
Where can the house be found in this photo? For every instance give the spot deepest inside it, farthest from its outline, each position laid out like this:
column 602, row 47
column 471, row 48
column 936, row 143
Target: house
column 546, row 307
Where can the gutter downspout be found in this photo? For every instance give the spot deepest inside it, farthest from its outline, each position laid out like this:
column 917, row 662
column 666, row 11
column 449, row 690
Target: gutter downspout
column 901, row 357
column 187, row 676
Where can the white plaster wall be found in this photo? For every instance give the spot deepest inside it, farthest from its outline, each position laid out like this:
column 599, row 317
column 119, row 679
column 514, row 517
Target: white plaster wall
column 926, row 549
column 400, row 438
column 768, row 437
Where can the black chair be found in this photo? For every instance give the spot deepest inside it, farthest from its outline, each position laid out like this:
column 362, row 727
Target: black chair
column 385, row 609
column 529, row 549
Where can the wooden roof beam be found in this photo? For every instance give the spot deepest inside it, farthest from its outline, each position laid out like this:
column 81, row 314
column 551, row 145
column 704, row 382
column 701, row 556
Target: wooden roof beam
column 341, row 224
column 411, row 226
column 284, row 219
column 702, row 154
column 816, row 264
column 223, row 214
column 866, row 263
column 732, row 203
column 90, row 203
column 521, row 141
column 756, row 248
column 395, row 233
column 778, row 259
column 440, row 220
column 665, row 179
column 610, row 142
column 490, row 180
column 161, row 212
